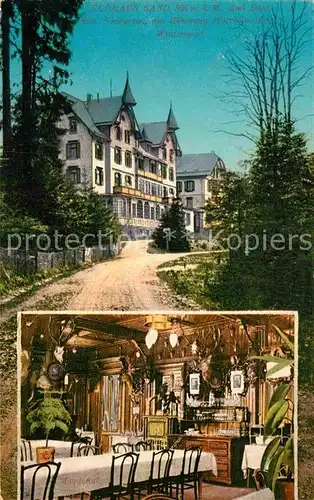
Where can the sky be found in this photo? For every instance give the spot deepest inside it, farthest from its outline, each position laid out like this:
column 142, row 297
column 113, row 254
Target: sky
column 186, row 65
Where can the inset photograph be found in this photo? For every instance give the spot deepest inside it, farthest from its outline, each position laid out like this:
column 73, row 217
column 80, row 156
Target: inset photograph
column 155, row 406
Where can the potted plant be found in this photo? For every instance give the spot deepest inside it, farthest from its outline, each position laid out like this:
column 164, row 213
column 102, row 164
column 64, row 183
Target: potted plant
column 278, row 457
column 47, row 414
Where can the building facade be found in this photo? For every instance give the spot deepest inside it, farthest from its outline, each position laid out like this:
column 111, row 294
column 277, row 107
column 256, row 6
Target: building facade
column 134, row 165
column 197, row 175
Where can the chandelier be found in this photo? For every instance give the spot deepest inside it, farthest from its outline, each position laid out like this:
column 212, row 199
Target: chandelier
column 158, row 323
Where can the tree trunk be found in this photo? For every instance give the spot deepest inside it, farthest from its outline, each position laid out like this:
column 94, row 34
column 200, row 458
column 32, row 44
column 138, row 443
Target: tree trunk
column 6, row 94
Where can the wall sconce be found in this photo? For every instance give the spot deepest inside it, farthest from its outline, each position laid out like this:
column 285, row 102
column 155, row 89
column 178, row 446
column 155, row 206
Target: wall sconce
column 66, row 380
column 194, row 347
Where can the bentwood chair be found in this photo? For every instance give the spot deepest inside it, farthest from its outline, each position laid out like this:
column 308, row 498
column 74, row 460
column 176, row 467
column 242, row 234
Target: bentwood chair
column 46, row 482
column 26, row 450
column 122, row 475
column 188, row 479
column 157, row 496
column 159, row 472
column 84, row 441
column 143, row 446
column 87, row 449
column 122, row 448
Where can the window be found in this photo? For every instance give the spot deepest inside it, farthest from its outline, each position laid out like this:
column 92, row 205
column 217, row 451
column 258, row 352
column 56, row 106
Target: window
column 117, row 179
column 154, row 189
column 165, row 193
column 74, row 174
column 158, row 190
column 146, row 210
column 117, row 155
column 179, row 187
column 171, row 191
column 128, row 159
column 123, row 118
column 171, row 155
column 153, row 167
column 187, row 219
column 171, row 174
column 73, row 150
column 164, row 153
column 133, row 209
column 189, row 202
column 139, row 210
column 157, row 212
column 164, row 171
column 72, row 125
column 152, row 213
column 99, row 176
column 118, row 133
column 147, row 187
column 189, row 186
column 127, row 136
column 98, row 151
column 128, row 180
column 141, row 163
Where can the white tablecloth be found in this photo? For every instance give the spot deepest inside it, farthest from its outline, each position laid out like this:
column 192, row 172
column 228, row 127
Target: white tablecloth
column 62, row 448
column 80, row 474
column 252, row 457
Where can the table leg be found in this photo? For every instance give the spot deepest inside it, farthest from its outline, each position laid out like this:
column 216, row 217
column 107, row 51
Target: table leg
column 200, row 485
column 248, row 478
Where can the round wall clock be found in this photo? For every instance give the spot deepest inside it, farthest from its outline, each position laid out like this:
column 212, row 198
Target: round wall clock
column 56, row 372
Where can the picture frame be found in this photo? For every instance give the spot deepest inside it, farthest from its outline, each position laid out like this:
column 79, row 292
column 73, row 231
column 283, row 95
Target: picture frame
column 194, row 383
column 237, row 382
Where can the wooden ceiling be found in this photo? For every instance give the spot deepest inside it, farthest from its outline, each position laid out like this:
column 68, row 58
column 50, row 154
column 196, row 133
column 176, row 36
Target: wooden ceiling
column 104, row 330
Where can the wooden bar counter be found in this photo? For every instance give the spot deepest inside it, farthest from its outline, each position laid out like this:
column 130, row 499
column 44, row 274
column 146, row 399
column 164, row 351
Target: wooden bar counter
column 228, row 452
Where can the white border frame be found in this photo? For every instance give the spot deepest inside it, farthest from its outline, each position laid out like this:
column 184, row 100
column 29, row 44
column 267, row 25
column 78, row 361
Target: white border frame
column 234, row 389
column 194, row 376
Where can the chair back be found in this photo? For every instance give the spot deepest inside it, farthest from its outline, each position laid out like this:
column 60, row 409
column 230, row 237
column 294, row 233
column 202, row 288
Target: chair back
column 87, row 449
column 160, row 469
column 84, row 441
column 122, row 474
column 157, row 496
column 191, row 460
column 122, row 448
column 26, row 450
column 46, row 482
column 259, row 479
column 142, row 446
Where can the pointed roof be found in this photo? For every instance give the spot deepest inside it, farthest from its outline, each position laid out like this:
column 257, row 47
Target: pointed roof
column 144, row 136
column 171, row 120
column 127, row 96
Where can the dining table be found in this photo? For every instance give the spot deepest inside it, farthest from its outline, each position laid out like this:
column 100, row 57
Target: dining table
column 252, row 459
column 85, row 474
column 62, row 448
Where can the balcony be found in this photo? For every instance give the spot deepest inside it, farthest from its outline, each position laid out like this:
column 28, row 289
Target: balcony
column 127, row 191
column 150, row 175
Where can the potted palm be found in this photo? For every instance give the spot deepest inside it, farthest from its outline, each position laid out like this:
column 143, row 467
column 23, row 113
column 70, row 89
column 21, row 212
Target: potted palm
column 278, row 457
column 47, row 414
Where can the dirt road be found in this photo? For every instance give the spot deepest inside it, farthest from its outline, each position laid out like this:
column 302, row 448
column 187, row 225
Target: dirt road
column 128, row 282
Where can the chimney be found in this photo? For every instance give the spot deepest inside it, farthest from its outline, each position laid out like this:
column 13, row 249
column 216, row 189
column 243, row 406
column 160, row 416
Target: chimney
column 89, row 98
column 97, row 96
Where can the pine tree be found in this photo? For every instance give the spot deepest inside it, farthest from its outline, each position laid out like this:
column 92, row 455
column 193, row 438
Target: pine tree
column 171, row 234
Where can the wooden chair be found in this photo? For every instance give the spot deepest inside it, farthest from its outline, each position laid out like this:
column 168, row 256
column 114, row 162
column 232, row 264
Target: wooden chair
column 259, row 479
column 159, row 473
column 123, row 469
column 188, row 479
column 84, row 441
column 47, row 491
column 26, row 450
column 143, row 446
column 122, row 448
column 87, row 449
column 157, row 496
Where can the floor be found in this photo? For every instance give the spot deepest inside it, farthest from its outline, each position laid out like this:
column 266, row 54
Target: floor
column 210, row 492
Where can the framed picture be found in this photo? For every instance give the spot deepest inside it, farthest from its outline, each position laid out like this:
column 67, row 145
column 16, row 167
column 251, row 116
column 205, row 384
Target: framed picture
column 194, row 383
column 237, row 382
